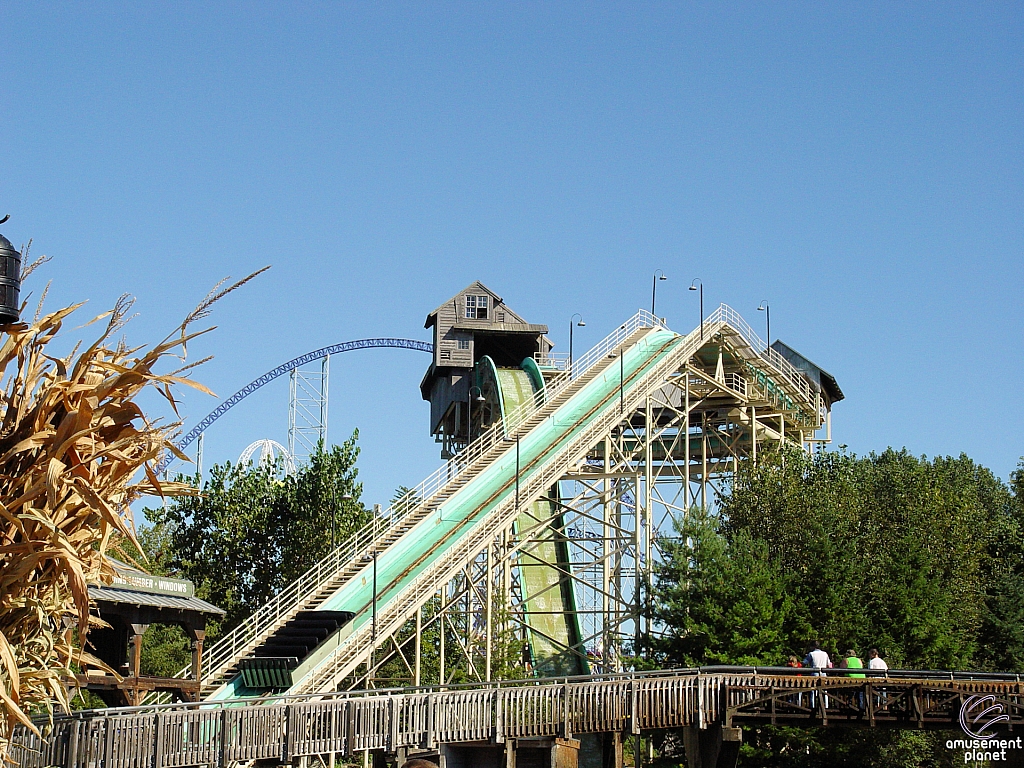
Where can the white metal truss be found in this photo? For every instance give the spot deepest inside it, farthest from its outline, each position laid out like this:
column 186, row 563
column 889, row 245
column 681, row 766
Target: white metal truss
column 671, row 437
column 678, row 447
column 307, row 408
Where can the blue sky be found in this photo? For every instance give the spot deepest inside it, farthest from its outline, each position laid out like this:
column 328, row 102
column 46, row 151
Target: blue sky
column 857, row 165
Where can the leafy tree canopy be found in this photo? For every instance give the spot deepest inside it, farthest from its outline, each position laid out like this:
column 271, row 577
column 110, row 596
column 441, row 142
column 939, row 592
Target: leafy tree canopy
column 250, row 533
column 922, row 559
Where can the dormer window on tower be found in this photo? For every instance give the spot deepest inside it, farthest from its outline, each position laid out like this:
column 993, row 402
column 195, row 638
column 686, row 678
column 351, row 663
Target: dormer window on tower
column 476, row 307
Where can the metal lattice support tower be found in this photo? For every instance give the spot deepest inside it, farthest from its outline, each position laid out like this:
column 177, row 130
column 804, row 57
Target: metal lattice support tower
column 647, row 425
column 307, row 409
column 676, row 448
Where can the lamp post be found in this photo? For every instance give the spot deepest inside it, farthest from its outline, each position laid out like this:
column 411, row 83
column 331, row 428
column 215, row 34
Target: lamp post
column 694, row 288
column 654, row 286
column 376, row 516
column 10, row 279
column 469, row 410
column 768, row 319
column 581, row 324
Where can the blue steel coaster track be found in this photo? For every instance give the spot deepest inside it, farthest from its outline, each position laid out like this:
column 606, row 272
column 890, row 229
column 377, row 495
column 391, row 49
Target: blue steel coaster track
column 252, row 386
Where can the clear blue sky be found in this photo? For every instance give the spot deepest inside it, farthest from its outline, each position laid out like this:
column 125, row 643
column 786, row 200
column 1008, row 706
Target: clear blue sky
column 857, row 165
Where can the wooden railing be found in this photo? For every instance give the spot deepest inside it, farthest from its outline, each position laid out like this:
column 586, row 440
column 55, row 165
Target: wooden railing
column 231, row 732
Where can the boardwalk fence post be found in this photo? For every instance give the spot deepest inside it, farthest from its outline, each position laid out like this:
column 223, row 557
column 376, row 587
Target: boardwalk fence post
column 350, row 722
column 225, row 738
column 158, row 749
column 289, row 733
column 69, row 759
column 499, row 716
column 429, row 740
column 395, row 705
column 700, row 701
column 566, row 724
column 634, row 712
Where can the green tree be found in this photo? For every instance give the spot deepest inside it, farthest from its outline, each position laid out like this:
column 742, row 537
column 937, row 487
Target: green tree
column 319, row 505
column 887, row 550
column 923, row 559
column 1001, row 637
column 725, row 602
column 250, row 533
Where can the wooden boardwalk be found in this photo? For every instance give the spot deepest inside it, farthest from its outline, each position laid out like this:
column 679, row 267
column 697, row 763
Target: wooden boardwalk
column 285, row 730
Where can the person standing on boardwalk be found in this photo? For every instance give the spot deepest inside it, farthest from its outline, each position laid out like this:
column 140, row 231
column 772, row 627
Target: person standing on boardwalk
column 875, row 661
column 853, row 662
column 795, row 663
column 816, row 657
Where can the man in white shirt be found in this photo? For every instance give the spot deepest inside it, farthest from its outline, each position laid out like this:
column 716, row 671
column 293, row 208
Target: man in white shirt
column 816, row 657
column 877, row 662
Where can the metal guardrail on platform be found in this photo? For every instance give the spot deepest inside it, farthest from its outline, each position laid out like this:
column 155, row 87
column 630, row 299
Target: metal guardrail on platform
column 232, row 732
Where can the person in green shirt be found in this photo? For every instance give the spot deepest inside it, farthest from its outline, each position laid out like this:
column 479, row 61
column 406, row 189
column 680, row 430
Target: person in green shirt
column 853, row 662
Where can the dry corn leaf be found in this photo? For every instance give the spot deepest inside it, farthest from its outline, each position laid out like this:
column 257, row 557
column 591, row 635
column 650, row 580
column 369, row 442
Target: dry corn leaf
column 75, row 452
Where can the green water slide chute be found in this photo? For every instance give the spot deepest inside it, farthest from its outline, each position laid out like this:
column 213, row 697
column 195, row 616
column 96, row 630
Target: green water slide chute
column 549, row 601
column 411, row 558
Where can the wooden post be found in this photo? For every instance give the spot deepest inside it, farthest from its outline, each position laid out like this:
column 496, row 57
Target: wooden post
column 138, row 630
column 198, row 636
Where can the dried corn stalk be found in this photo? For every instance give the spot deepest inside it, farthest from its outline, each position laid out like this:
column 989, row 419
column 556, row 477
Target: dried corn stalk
column 72, row 443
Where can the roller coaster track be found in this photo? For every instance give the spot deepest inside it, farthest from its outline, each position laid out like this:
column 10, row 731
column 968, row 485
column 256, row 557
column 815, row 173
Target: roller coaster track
column 252, row 386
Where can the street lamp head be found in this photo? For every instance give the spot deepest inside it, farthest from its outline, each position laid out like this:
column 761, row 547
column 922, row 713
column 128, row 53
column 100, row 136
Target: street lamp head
column 764, row 306
column 693, row 285
column 581, row 324
column 347, row 497
column 663, row 277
